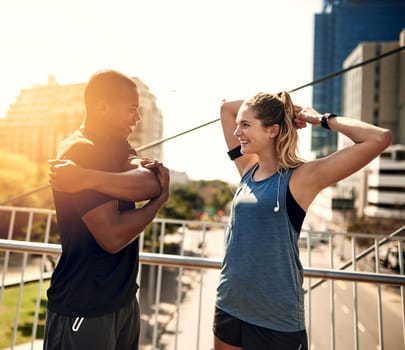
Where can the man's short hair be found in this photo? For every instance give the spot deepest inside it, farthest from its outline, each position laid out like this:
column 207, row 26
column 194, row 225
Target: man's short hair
column 106, row 85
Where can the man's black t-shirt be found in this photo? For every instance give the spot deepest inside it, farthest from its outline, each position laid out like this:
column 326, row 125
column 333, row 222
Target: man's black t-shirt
column 88, row 281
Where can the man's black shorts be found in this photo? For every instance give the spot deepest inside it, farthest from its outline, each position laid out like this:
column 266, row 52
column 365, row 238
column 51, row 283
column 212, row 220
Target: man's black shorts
column 114, row 331
column 238, row 333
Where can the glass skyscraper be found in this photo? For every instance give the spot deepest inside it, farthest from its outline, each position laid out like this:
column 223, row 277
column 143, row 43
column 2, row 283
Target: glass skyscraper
column 341, row 26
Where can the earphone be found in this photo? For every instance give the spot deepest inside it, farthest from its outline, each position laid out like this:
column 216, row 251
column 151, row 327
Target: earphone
column 276, row 209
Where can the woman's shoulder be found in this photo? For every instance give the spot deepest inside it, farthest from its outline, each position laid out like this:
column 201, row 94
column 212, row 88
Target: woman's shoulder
column 249, row 172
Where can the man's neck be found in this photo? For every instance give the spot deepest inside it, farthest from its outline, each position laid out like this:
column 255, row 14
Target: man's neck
column 95, row 128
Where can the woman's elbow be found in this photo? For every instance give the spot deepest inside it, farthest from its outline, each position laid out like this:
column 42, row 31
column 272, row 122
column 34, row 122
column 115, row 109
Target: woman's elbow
column 385, row 138
column 224, row 108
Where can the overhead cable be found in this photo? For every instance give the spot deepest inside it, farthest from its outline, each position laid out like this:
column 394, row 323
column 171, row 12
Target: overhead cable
column 158, row 142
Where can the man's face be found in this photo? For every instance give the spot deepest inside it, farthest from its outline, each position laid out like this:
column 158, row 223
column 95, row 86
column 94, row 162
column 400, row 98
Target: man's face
column 121, row 116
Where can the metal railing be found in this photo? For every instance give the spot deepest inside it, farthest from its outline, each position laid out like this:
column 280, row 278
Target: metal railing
column 178, row 276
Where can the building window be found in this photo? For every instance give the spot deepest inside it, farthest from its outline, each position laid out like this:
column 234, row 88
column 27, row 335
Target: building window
column 400, row 155
column 376, row 116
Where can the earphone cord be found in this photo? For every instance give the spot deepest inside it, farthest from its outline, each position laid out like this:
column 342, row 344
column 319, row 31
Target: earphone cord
column 277, row 207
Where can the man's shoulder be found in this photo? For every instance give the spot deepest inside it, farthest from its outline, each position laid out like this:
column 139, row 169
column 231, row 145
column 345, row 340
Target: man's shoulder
column 73, row 145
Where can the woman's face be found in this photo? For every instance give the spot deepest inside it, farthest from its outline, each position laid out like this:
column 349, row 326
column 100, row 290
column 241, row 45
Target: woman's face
column 252, row 135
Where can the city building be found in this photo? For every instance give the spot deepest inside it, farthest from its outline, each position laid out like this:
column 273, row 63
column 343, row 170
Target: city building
column 374, row 93
column 43, row 115
column 386, row 185
column 341, row 26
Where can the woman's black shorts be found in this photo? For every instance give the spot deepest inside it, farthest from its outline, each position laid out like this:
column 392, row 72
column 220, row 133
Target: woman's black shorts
column 238, row 333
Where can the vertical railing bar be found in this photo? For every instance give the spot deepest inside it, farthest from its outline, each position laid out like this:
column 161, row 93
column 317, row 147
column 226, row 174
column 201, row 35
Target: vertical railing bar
column 151, row 288
column 158, row 289
column 139, row 275
column 309, row 298
column 7, row 254
column 179, row 286
column 400, row 242
column 402, row 271
column 355, row 299
column 152, row 268
column 40, row 282
column 20, row 291
column 379, row 303
column 201, row 289
column 332, row 300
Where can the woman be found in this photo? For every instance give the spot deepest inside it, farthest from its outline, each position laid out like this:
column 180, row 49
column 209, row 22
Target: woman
column 260, row 299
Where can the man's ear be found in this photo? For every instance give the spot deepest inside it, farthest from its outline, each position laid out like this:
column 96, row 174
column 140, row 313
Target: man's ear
column 273, row 130
column 100, row 106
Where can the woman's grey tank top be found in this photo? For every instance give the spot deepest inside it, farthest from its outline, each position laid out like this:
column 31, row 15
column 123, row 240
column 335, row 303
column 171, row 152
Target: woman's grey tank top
column 261, row 276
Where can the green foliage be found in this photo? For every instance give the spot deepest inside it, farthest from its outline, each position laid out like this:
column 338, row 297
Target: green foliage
column 184, row 203
column 193, row 201
column 26, row 315
column 38, row 230
column 216, row 194
column 20, row 175
column 189, row 201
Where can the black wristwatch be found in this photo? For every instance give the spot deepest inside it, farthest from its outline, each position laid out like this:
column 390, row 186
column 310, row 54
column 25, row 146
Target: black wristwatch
column 324, row 120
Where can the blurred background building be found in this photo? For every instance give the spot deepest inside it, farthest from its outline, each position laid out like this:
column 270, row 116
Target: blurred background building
column 341, row 26
column 43, row 115
column 374, row 93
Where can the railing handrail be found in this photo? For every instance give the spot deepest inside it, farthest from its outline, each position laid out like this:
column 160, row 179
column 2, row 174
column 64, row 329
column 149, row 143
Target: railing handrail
column 198, row 262
column 27, row 209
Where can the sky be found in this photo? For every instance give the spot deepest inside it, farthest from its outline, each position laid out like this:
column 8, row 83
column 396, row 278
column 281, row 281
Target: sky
column 191, row 54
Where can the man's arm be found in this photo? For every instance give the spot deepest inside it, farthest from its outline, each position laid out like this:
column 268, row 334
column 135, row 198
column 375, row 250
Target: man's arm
column 137, row 184
column 114, row 230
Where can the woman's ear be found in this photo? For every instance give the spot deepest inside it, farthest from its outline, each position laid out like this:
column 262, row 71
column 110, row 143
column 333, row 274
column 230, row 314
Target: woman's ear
column 273, row 130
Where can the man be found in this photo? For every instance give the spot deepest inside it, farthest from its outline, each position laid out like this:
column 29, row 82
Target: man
column 96, row 180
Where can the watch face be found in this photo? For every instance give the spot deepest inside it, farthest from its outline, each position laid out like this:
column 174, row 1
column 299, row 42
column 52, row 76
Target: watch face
column 324, row 121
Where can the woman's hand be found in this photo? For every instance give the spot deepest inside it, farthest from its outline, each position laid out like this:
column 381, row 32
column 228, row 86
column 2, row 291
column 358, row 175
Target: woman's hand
column 306, row 115
column 298, row 122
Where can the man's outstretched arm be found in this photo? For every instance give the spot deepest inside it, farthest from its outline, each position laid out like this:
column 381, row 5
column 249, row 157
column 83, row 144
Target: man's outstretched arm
column 137, row 184
column 114, row 230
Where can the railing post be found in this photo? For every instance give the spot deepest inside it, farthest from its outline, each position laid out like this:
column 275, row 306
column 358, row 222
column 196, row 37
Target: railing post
column 402, row 272
column 26, row 248
column 7, row 254
column 309, row 328
column 355, row 302
column 158, row 290
column 41, row 280
column 20, row 291
column 332, row 301
column 179, row 286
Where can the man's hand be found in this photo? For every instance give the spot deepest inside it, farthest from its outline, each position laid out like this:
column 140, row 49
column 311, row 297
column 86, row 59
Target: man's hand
column 149, row 164
column 144, row 162
column 163, row 176
column 66, row 176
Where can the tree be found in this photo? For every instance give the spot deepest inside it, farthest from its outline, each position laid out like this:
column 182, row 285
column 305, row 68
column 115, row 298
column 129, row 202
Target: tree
column 19, row 175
